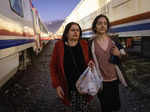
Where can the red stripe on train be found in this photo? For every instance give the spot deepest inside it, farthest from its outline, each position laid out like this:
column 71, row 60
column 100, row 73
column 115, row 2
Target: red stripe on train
column 9, row 33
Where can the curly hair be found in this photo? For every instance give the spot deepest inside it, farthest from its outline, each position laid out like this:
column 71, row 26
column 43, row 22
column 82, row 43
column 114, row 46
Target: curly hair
column 66, row 30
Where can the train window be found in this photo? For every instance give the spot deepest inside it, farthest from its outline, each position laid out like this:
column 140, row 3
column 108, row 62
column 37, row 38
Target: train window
column 16, row 6
column 116, row 3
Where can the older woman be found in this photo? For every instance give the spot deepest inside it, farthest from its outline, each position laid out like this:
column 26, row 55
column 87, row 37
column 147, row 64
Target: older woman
column 69, row 59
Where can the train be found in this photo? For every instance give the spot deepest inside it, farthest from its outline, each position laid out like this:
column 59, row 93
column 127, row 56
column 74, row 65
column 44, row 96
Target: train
column 22, row 34
column 130, row 21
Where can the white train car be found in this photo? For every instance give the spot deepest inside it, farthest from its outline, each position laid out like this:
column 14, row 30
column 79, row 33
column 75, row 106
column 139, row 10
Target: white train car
column 19, row 34
column 44, row 33
column 41, row 31
column 130, row 21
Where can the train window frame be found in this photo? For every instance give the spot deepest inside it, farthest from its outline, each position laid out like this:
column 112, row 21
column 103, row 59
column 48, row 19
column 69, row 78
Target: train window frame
column 117, row 3
column 18, row 11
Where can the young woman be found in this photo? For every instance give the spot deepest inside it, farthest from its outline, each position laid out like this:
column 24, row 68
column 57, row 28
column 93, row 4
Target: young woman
column 102, row 48
column 69, row 59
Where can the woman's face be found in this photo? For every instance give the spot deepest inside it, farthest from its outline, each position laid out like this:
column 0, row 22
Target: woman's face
column 101, row 26
column 74, row 32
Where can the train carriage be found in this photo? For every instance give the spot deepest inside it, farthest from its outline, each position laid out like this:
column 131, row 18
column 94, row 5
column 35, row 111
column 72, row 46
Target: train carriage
column 130, row 22
column 20, row 34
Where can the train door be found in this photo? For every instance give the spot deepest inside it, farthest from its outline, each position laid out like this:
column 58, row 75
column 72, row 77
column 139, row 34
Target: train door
column 37, row 37
column 145, row 43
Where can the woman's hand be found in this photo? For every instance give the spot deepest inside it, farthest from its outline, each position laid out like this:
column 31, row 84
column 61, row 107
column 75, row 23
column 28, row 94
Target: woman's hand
column 60, row 92
column 91, row 64
column 115, row 51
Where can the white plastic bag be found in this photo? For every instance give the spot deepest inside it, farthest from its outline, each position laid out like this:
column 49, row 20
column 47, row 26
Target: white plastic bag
column 89, row 82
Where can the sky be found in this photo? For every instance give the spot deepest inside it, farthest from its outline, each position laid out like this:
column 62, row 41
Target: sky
column 52, row 10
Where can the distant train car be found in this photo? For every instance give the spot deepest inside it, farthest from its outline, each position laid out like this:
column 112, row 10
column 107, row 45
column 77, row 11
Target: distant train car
column 40, row 30
column 20, row 33
column 44, row 33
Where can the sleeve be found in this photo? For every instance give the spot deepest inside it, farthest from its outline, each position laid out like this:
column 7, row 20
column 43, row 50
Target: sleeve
column 54, row 68
column 118, row 45
column 121, row 48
